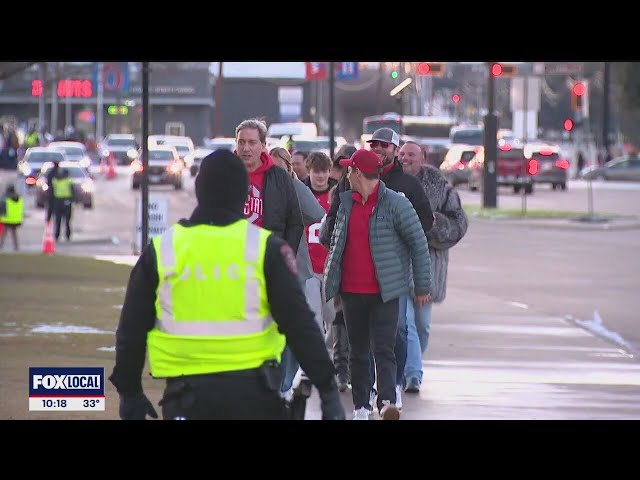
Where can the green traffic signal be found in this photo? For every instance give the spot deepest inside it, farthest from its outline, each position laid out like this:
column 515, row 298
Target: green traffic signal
column 394, row 74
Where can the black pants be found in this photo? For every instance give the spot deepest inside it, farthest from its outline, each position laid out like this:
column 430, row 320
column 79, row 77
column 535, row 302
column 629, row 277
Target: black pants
column 62, row 210
column 222, row 396
column 371, row 325
column 341, row 347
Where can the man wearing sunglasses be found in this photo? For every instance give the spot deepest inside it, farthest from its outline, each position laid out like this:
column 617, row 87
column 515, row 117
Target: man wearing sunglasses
column 385, row 144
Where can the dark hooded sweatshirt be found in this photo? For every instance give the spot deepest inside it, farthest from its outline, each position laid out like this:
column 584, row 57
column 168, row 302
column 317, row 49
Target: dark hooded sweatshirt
column 220, row 204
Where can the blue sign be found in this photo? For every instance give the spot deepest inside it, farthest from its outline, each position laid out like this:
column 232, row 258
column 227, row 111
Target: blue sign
column 347, row 71
column 115, row 77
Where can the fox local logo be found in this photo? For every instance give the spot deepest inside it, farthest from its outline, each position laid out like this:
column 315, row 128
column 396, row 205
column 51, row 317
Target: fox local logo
column 66, row 381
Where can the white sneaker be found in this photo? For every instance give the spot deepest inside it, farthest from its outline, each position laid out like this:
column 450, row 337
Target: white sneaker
column 399, row 397
column 372, row 399
column 361, row 414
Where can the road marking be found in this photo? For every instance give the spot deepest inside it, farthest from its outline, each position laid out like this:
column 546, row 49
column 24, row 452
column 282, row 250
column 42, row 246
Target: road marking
column 519, row 305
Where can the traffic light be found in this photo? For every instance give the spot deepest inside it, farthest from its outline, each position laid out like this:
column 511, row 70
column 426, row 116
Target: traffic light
column 430, row 68
column 577, row 96
column 568, row 124
column 455, row 98
column 394, row 74
column 503, row 70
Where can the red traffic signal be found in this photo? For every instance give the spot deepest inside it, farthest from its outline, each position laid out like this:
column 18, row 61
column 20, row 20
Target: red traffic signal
column 579, row 89
column 456, row 98
column 568, row 124
column 503, row 70
column 429, row 68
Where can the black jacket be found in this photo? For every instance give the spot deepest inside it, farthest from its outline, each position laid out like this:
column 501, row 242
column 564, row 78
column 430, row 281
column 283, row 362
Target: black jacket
column 281, row 210
column 397, row 181
column 288, row 305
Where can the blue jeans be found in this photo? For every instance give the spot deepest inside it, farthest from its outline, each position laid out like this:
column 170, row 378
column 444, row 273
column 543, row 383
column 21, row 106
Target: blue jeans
column 401, row 339
column 289, row 367
column 418, row 328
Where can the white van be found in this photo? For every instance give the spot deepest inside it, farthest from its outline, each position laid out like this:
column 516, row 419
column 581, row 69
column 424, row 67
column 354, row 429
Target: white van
column 279, row 130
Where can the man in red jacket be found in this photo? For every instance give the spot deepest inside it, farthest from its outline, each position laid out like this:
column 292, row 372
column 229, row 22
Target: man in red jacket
column 272, row 202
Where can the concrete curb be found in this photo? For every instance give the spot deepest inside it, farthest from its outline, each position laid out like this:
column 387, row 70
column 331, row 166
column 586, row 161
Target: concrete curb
column 565, row 223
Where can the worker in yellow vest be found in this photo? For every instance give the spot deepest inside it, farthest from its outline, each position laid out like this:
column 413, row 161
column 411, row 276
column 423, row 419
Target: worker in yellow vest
column 63, row 198
column 12, row 215
column 212, row 302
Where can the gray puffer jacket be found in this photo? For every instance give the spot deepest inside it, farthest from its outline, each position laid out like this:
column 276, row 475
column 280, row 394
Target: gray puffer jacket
column 449, row 228
column 396, row 240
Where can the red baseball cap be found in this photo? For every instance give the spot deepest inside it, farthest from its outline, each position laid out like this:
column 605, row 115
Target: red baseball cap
column 364, row 160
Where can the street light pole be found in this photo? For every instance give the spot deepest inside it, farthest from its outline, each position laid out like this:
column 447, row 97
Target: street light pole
column 332, row 108
column 606, row 113
column 490, row 192
column 144, row 185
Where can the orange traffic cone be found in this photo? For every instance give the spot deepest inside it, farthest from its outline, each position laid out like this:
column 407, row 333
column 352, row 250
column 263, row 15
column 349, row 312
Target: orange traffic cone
column 48, row 242
column 111, row 171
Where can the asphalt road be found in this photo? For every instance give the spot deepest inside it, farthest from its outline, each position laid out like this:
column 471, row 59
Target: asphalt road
column 586, row 275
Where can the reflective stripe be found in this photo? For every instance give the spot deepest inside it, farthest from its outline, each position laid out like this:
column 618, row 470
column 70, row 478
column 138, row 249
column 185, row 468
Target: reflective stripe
column 220, row 328
column 252, row 324
column 251, row 286
column 168, row 260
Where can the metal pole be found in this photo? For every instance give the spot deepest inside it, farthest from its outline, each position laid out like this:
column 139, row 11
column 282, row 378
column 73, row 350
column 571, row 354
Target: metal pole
column 332, row 108
column 217, row 127
column 42, row 99
column 144, row 186
column 490, row 192
column 606, row 111
column 100, row 104
column 54, row 99
column 525, row 136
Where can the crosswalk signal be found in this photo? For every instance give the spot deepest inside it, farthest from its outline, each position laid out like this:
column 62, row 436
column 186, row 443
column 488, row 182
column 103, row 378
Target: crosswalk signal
column 430, row 68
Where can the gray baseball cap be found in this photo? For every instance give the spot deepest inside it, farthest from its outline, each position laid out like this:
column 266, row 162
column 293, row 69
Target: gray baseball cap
column 385, row 135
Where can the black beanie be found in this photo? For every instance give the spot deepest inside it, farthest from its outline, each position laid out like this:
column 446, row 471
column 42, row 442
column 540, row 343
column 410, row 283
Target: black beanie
column 222, row 182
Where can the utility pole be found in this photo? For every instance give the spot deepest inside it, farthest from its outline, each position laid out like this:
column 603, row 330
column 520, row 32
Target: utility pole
column 332, row 108
column 100, row 104
column 606, row 112
column 217, row 120
column 54, row 99
column 144, row 187
column 490, row 192
column 42, row 99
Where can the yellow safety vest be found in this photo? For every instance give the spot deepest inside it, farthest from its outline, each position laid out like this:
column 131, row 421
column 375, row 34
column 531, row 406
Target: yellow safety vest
column 212, row 312
column 14, row 211
column 62, row 188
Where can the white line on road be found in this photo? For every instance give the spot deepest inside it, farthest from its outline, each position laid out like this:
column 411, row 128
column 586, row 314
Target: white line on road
column 519, row 305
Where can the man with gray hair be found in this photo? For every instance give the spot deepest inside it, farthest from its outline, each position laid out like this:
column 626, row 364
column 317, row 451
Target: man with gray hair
column 272, row 202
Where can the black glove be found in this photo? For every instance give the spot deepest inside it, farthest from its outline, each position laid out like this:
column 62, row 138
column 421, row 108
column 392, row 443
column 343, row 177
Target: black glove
column 136, row 407
column 330, row 403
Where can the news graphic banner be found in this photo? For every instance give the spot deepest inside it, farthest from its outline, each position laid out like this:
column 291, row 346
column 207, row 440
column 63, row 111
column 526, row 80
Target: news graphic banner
column 66, row 389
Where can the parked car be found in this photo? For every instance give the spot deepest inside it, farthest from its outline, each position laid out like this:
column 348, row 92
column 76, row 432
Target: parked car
column 34, row 159
column 626, row 167
column 551, row 167
column 454, row 166
column 196, row 159
column 183, row 145
column 85, row 187
column 316, row 144
column 213, row 144
column 165, row 168
column 73, row 152
column 513, row 169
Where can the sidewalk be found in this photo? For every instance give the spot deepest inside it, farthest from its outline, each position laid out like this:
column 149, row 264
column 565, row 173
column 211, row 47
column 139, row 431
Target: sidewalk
column 489, row 359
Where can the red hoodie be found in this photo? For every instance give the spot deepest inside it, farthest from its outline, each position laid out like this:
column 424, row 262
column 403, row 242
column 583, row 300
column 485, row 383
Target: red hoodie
column 253, row 206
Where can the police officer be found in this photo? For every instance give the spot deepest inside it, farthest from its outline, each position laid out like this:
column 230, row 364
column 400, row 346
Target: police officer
column 51, row 174
column 63, row 197
column 214, row 299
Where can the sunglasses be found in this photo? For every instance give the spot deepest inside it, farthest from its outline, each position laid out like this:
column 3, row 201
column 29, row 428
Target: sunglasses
column 375, row 143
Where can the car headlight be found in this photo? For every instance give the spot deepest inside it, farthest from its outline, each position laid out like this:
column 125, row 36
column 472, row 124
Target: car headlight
column 85, row 162
column 132, row 154
column 25, row 169
column 87, row 187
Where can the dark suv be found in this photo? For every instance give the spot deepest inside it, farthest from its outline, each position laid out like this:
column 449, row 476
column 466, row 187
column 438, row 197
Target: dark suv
column 513, row 168
column 165, row 168
column 551, row 167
